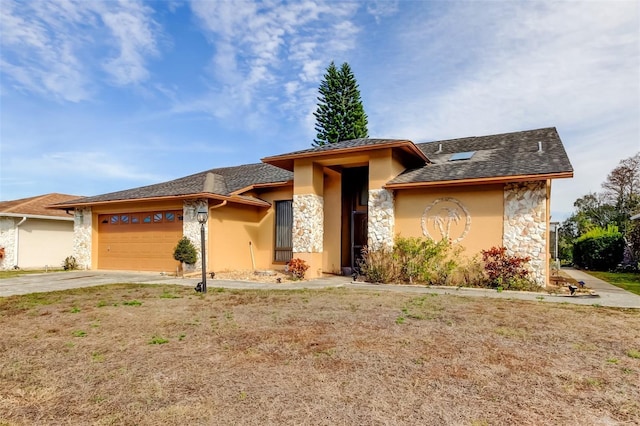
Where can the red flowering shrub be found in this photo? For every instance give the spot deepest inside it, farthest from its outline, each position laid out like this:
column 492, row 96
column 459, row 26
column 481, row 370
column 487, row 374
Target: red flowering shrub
column 297, row 267
column 505, row 270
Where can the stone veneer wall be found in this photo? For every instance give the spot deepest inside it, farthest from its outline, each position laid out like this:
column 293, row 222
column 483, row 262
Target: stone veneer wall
column 8, row 241
column 82, row 238
column 191, row 228
column 525, row 225
column 381, row 219
column 308, row 223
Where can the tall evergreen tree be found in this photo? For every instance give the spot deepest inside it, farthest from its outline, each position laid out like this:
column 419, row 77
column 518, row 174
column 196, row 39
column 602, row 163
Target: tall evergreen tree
column 340, row 115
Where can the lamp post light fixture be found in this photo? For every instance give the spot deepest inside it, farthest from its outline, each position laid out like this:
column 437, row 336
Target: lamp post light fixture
column 202, row 217
column 79, row 214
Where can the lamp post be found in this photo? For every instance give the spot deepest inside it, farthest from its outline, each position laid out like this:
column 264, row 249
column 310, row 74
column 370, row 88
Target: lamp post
column 556, row 228
column 202, row 217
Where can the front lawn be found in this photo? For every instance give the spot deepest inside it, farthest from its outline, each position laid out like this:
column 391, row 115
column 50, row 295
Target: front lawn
column 629, row 281
column 149, row 355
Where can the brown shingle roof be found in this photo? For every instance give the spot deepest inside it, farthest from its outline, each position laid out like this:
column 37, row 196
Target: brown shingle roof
column 37, row 206
column 504, row 155
column 285, row 161
column 222, row 181
column 507, row 155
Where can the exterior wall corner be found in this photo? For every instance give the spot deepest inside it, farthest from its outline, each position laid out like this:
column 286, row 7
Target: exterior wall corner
column 381, row 219
column 83, row 237
column 8, row 233
column 308, row 230
column 526, row 226
column 191, row 229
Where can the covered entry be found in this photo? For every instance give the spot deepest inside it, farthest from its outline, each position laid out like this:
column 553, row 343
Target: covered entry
column 139, row 241
column 355, row 195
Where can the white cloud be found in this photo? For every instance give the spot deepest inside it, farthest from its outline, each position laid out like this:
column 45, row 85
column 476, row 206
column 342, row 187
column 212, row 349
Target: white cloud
column 483, row 68
column 382, row 8
column 135, row 38
column 258, row 47
column 51, row 48
column 89, row 163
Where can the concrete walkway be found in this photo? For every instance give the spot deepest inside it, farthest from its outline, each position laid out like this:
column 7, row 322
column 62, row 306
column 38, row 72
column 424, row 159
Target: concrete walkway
column 605, row 294
column 610, row 295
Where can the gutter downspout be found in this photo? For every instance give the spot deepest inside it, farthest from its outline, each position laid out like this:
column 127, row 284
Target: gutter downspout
column 17, row 244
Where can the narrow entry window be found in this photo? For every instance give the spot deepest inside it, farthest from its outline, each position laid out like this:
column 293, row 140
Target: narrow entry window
column 284, row 224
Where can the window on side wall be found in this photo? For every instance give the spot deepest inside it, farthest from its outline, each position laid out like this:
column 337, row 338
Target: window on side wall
column 283, row 238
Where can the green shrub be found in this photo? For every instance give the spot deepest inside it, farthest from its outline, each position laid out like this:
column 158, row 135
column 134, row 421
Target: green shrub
column 185, row 252
column 70, row 263
column 378, row 266
column 423, row 260
column 412, row 260
column 599, row 249
column 468, row 274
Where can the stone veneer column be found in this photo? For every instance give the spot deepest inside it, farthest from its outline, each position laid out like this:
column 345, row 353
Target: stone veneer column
column 191, row 229
column 82, row 241
column 8, row 232
column 308, row 223
column 525, row 225
column 381, row 219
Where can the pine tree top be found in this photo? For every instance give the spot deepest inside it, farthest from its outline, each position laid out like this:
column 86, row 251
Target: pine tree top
column 340, row 114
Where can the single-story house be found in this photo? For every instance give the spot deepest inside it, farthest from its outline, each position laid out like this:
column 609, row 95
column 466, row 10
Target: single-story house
column 324, row 204
column 34, row 236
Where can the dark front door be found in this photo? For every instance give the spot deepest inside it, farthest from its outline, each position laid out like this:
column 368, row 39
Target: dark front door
column 355, row 196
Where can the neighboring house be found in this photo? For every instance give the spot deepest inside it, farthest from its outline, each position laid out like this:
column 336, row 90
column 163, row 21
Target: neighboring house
column 324, row 204
column 34, row 236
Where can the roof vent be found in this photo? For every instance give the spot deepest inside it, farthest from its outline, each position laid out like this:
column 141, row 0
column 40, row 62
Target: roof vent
column 540, row 146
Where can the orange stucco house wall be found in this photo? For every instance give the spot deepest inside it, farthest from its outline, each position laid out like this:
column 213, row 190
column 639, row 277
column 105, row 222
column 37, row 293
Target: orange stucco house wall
column 325, row 203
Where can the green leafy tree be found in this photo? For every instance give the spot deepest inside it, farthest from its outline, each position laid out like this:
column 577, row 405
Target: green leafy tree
column 618, row 201
column 340, row 115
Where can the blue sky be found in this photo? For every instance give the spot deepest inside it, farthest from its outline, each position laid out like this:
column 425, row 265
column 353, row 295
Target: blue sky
column 99, row 96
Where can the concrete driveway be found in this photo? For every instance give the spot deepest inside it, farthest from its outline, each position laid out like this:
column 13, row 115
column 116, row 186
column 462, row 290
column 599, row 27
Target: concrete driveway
column 606, row 294
column 54, row 281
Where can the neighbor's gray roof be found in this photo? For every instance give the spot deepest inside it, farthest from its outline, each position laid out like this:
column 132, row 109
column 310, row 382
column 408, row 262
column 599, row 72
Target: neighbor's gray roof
column 223, row 181
column 503, row 155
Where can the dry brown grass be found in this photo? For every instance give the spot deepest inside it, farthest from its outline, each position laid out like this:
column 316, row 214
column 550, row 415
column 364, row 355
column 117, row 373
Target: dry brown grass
column 259, row 276
column 312, row 357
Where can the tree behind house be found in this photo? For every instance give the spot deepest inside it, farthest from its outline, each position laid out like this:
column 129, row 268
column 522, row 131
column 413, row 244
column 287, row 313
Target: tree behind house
column 622, row 190
column 340, row 115
column 614, row 206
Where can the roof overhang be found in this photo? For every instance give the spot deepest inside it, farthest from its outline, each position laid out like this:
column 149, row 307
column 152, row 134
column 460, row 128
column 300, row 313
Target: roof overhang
column 234, row 198
column 36, row 216
column 263, row 186
column 480, row 181
column 286, row 161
